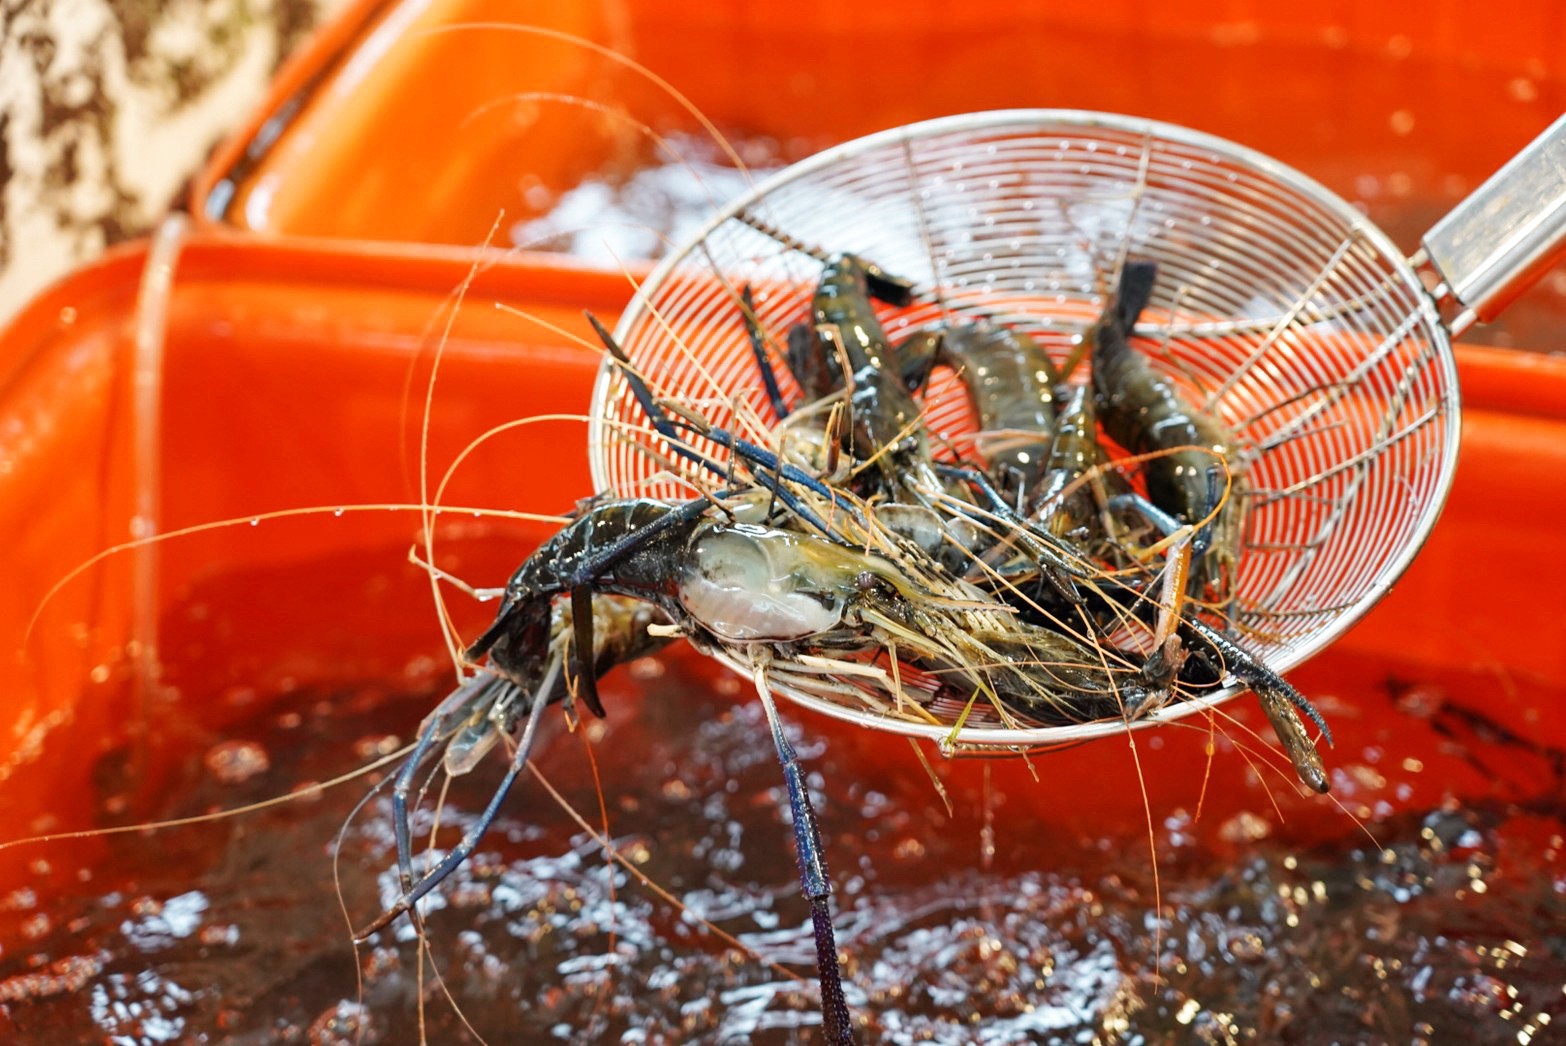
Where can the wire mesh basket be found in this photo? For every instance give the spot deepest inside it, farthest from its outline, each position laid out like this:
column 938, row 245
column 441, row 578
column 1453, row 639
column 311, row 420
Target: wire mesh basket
column 1278, row 308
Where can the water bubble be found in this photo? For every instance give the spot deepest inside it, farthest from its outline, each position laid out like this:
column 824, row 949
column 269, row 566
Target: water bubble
column 234, row 762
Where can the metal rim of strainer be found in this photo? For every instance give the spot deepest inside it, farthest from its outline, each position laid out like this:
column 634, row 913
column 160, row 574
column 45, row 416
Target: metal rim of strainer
column 1417, row 318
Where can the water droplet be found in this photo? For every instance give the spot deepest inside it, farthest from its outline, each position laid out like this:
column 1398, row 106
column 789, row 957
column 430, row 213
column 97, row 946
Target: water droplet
column 338, row 512
column 255, row 522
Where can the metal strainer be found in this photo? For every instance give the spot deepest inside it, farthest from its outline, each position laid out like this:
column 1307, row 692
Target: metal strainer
column 1278, row 307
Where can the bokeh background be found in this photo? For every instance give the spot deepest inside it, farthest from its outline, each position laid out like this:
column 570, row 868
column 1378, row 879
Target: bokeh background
column 108, row 106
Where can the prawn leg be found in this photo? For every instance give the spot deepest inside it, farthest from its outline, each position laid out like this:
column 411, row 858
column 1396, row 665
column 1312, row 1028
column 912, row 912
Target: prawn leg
column 470, row 839
column 758, row 348
column 519, row 629
column 582, row 635
column 754, row 454
column 1279, row 700
column 1058, row 568
column 813, row 878
column 460, row 705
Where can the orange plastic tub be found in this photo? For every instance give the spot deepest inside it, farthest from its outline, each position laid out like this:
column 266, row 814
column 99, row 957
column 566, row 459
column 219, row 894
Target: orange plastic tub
column 295, row 378
column 229, row 664
column 288, row 379
column 496, row 115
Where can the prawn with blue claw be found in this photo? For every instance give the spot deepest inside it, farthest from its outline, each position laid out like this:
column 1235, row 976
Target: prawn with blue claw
column 1052, row 576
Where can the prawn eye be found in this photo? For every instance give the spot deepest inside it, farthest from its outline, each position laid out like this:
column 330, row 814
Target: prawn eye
column 751, row 583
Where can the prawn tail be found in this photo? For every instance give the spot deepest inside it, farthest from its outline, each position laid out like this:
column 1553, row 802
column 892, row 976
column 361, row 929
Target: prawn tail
column 1134, row 292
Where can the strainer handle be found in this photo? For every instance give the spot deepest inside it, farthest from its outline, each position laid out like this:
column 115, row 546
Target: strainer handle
column 1506, row 234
